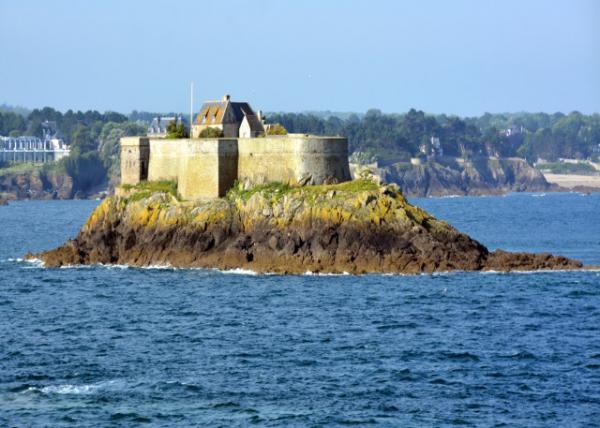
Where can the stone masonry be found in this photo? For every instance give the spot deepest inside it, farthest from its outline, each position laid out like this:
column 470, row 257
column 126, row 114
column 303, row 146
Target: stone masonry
column 208, row 167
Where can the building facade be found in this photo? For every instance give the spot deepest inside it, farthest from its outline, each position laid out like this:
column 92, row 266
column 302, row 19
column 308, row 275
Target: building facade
column 28, row 149
column 158, row 126
column 233, row 119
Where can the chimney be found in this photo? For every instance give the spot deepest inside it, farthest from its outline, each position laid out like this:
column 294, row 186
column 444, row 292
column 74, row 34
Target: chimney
column 226, row 97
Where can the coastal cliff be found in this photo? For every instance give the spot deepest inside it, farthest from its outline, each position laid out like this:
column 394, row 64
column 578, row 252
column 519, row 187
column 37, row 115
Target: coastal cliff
column 477, row 176
column 35, row 183
column 354, row 227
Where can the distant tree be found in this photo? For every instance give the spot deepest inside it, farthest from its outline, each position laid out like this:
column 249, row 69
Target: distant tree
column 81, row 140
column 34, row 128
column 175, row 131
column 86, row 170
column 10, row 121
column 211, row 133
column 276, row 129
column 109, row 147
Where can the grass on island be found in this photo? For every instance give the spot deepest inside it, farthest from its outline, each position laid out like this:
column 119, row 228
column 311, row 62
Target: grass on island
column 278, row 190
column 275, row 190
column 146, row 189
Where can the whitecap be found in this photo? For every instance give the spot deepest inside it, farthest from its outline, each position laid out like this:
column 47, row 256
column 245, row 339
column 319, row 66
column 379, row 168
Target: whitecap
column 71, row 389
column 236, row 271
column 158, row 266
column 33, row 263
column 310, row 273
column 536, row 271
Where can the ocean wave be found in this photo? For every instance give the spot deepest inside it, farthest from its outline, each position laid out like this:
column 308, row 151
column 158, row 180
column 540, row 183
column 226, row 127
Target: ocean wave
column 36, row 263
column 310, row 273
column 110, row 266
column 237, row 271
column 536, row 271
column 29, row 263
column 71, row 389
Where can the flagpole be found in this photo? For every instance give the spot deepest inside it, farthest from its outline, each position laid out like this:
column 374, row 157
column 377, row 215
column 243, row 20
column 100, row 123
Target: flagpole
column 191, row 106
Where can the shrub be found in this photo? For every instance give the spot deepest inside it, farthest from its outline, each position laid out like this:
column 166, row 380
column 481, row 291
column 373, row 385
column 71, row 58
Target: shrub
column 276, row 129
column 175, row 131
column 211, row 133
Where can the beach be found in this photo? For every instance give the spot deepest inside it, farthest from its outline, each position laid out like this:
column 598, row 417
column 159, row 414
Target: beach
column 571, row 181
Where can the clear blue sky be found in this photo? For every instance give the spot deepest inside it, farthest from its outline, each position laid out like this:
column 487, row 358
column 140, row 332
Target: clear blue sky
column 457, row 57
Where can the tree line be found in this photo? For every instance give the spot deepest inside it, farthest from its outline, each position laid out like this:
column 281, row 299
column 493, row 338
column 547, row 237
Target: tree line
column 397, row 137
column 93, row 137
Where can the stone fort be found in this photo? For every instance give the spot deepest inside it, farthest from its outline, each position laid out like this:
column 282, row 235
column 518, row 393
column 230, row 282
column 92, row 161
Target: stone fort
column 209, row 167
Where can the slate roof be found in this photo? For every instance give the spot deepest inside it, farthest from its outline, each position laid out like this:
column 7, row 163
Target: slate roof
column 255, row 124
column 159, row 124
column 213, row 112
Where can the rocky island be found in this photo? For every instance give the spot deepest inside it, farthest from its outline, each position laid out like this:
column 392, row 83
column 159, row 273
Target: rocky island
column 354, row 227
column 236, row 196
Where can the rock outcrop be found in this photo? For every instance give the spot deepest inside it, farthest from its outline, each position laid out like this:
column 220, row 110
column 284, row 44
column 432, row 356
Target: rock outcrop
column 37, row 184
column 477, row 176
column 354, row 227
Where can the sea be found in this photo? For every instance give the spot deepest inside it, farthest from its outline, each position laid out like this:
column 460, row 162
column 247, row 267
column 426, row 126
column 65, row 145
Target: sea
column 120, row 346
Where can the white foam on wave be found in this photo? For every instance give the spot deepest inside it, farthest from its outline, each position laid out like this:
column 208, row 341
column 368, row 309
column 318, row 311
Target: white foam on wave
column 110, row 266
column 236, row 271
column 535, row 271
column 165, row 266
column 71, row 389
column 310, row 273
column 30, row 263
column 36, row 263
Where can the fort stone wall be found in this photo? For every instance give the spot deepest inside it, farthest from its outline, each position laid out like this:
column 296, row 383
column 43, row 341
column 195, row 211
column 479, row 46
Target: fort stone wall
column 135, row 157
column 165, row 157
column 322, row 159
column 293, row 159
column 208, row 168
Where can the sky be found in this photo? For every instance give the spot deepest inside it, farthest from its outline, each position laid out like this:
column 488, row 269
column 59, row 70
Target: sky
column 462, row 57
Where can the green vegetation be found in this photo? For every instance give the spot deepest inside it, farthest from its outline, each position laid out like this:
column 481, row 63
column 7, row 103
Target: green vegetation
column 109, row 146
column 387, row 138
column 28, row 168
column 397, row 137
column 175, row 131
column 277, row 190
column 568, row 168
column 147, row 188
column 93, row 137
column 277, row 129
column 211, row 133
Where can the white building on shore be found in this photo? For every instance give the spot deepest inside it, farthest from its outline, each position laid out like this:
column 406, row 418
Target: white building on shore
column 28, row 149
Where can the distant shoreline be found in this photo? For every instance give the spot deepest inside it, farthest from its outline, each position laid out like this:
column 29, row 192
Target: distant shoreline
column 574, row 181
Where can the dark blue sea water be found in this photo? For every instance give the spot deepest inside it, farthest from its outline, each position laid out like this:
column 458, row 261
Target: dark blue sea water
column 112, row 346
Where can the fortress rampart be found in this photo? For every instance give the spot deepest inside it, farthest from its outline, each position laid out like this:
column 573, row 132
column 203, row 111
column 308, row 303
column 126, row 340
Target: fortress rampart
column 207, row 168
